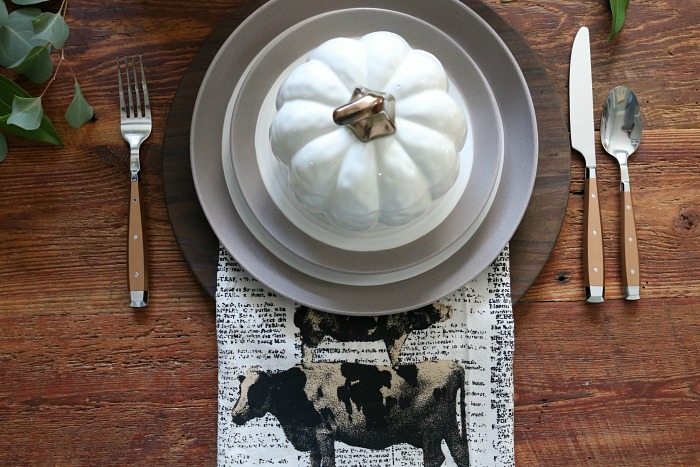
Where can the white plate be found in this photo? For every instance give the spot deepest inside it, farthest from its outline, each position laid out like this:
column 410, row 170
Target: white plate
column 283, row 225
column 501, row 71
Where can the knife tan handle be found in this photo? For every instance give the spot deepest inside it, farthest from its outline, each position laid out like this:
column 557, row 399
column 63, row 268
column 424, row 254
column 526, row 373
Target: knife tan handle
column 628, row 246
column 593, row 244
column 138, row 272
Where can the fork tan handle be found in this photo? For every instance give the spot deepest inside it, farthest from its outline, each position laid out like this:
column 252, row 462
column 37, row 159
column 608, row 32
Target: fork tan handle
column 628, row 246
column 138, row 272
column 593, row 244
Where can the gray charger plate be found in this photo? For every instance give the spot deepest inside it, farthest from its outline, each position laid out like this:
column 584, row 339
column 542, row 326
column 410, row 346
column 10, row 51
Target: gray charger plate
column 254, row 97
column 520, row 163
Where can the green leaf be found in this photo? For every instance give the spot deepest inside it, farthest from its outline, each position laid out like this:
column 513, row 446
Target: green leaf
column 45, row 133
column 3, row 147
column 52, row 28
column 21, row 20
column 26, row 112
column 36, row 65
column 79, row 111
column 28, row 2
column 619, row 11
column 13, row 46
column 3, row 12
column 17, row 36
column 26, row 52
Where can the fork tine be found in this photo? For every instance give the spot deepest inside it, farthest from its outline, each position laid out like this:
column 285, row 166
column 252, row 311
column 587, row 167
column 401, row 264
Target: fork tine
column 146, row 101
column 133, row 96
column 137, row 94
column 122, row 105
column 130, row 110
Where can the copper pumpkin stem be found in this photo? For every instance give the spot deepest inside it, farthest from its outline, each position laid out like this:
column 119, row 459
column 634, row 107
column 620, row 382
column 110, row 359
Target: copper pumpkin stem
column 369, row 114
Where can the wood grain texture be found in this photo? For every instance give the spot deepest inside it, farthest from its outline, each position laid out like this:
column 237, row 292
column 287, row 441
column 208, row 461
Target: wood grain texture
column 86, row 381
column 137, row 264
column 619, row 386
column 593, row 253
column 629, row 254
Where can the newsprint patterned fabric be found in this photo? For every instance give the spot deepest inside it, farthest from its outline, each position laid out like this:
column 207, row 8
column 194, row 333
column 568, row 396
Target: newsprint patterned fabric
column 299, row 387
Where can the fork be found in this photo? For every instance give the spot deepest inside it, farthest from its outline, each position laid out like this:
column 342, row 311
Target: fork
column 135, row 110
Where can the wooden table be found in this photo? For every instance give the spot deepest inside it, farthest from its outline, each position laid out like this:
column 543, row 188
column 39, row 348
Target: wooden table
column 84, row 379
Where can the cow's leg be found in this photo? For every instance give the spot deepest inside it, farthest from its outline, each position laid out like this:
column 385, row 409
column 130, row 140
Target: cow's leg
column 432, row 454
column 458, row 448
column 326, row 446
column 315, row 460
column 318, row 454
column 393, row 347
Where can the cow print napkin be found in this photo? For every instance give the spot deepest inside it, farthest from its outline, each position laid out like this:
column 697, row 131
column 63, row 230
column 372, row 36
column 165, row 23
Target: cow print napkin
column 431, row 387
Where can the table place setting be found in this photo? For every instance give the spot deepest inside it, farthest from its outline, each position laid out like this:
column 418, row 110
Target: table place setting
column 365, row 241
column 373, row 278
column 400, row 269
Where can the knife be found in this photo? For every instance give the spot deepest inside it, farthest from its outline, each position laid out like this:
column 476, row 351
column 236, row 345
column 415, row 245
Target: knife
column 583, row 141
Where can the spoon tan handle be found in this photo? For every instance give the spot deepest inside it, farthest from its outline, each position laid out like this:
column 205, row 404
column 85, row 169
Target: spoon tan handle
column 593, row 244
column 138, row 272
column 628, row 246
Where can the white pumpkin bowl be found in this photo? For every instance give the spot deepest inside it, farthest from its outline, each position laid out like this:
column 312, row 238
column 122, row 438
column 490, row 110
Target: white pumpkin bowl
column 254, row 175
column 391, row 179
column 355, row 195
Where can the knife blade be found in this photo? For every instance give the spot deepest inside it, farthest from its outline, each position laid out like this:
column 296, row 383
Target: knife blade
column 583, row 141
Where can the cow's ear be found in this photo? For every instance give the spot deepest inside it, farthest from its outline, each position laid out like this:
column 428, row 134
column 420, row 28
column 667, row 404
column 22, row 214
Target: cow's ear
column 241, row 378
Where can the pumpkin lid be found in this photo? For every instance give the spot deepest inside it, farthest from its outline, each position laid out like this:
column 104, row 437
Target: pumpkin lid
column 381, row 156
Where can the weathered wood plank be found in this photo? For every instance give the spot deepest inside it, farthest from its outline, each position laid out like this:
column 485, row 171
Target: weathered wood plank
column 609, row 384
column 85, row 380
column 657, row 53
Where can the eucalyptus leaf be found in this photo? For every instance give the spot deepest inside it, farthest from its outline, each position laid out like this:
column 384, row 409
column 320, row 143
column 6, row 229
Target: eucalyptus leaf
column 28, row 2
column 13, row 46
column 79, row 111
column 36, row 65
column 52, row 28
column 619, row 12
column 3, row 12
column 26, row 112
column 17, row 36
column 21, row 20
column 45, row 133
column 3, row 147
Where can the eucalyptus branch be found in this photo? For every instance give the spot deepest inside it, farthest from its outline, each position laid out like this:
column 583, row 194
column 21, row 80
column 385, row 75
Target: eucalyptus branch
column 55, row 74
column 26, row 49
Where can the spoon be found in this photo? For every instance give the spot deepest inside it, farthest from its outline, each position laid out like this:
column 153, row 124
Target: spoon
column 620, row 132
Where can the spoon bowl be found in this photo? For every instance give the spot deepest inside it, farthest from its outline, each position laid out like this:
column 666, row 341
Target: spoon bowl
column 620, row 133
column 621, row 123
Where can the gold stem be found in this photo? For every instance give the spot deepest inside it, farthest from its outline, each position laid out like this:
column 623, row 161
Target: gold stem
column 369, row 114
column 360, row 109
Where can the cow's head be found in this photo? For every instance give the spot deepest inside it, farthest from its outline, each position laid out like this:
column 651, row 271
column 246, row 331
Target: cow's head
column 428, row 315
column 444, row 311
column 254, row 398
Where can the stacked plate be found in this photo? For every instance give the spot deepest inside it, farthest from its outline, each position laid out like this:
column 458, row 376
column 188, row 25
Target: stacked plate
column 243, row 189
